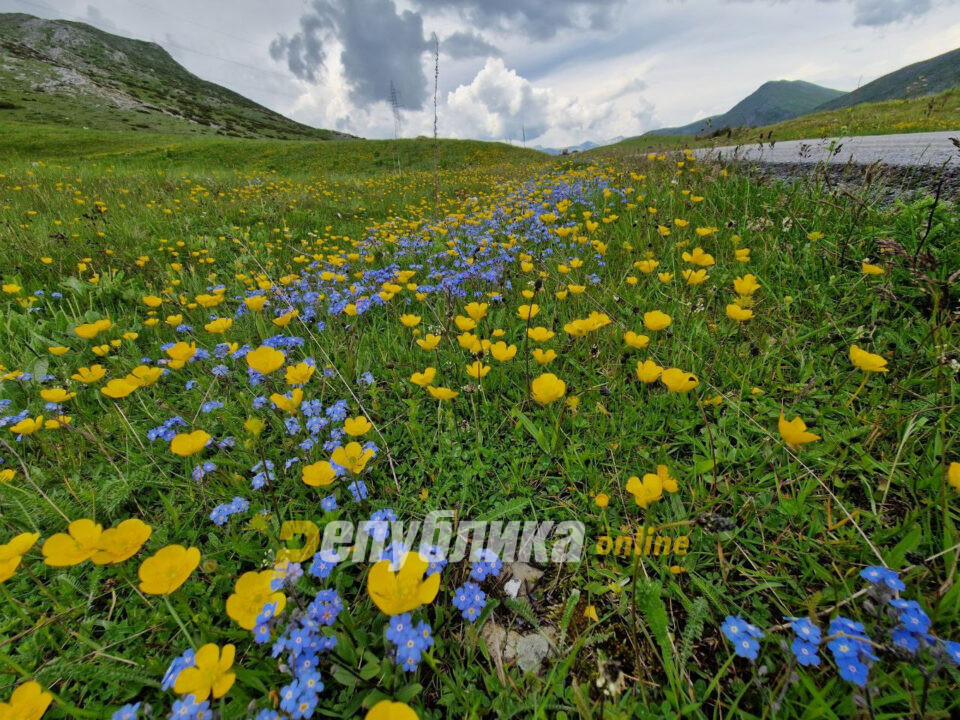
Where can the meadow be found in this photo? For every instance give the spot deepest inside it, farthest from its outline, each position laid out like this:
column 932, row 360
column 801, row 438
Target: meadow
column 202, row 339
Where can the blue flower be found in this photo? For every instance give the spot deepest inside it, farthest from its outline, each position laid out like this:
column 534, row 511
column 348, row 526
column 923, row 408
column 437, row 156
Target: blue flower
column 176, row 667
column 805, row 653
column 470, row 600
column 127, row 712
column 879, row 575
column 853, row 671
column 485, row 564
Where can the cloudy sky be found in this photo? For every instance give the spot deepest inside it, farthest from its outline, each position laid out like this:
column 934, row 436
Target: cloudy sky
column 556, row 72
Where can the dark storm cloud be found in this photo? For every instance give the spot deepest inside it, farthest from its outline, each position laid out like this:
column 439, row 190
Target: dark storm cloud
column 381, row 49
column 539, row 19
column 464, row 45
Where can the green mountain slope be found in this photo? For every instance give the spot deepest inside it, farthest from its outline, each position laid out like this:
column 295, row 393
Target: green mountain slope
column 923, row 78
column 69, row 73
column 772, row 102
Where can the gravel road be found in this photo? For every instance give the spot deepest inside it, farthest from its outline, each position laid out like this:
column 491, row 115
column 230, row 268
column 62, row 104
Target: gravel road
column 931, row 149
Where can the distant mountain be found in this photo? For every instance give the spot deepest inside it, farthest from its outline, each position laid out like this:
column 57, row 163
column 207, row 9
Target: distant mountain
column 772, row 102
column 69, row 73
column 588, row 145
column 923, row 78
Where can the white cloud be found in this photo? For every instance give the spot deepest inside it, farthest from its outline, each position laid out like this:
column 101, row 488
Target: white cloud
column 499, row 104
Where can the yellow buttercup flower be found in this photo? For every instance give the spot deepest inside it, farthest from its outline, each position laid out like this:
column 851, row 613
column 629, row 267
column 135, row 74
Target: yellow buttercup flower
column 794, row 432
column 167, row 569
column 121, row 542
column 181, row 353
column 679, row 381
column 288, row 404
column 695, row 277
column 746, row 285
column 866, row 361
column 651, row 488
column 544, row 356
column 319, row 474
column 119, row 388
column 442, row 393
column 27, row 426
column 737, row 313
column 356, row 426
column 547, row 388
column 429, row 341
column 209, row 675
column 265, row 359
column 187, row 444
column 410, row 320
column 58, row 350
column 528, row 312
column 57, row 395
column 636, row 340
column 477, row 370
column 648, row 371
column 300, row 373
column 12, row 553
column 869, row 269
column 424, row 378
column 389, row 710
column 88, row 375
column 144, row 375
column 540, row 334
column 219, row 326
column 251, row 592
column 79, row 543
column 953, row 475
column 477, row 311
column 352, row 457
column 656, row 320
column 396, row 592
column 28, row 702
column 255, row 303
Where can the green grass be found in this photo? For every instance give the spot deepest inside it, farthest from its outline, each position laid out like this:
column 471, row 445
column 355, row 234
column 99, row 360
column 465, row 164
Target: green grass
column 923, row 114
column 773, row 531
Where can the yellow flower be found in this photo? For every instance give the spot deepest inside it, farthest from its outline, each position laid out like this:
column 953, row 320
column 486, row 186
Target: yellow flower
column 12, row 552
column 665, row 277
column 648, row 371
column 88, row 331
column 695, row 277
column 544, row 356
column 476, row 310
column 953, row 475
column 651, row 488
column 735, row 312
column 30, row 702
column 746, row 285
column 122, row 542
column 144, row 375
column 868, row 269
column 11, row 288
column 119, row 388
column 265, row 359
column 424, row 378
column 88, row 375
column 255, row 303
column 58, row 350
column 429, row 341
column 464, row 324
column 254, row 426
column 590, row 612
column 7, row 474
column 679, row 381
column 352, row 457
column 319, row 474
column 356, row 426
column 300, row 373
column 442, row 393
column 656, row 320
column 868, row 362
column 209, row 675
column 698, row 257
column 503, row 352
column 634, row 340
column 742, row 255
column 389, row 710
column 252, row 591
column 218, row 326
column 469, row 341
column 540, row 334
column 167, row 569
column 528, row 312
column 284, row 320
column 57, row 395
column 288, row 404
column 646, row 266
column 795, row 432
column 187, row 444
column 399, row 592
column 477, row 370
column 79, row 543
column 181, row 353
column 410, row 320
column 601, row 500
column 27, row 426
column 152, row 301
column 547, row 388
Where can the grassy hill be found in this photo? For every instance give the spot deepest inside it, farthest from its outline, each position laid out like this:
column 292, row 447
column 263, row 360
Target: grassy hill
column 69, row 73
column 923, row 78
column 925, row 114
column 772, row 102
column 53, row 143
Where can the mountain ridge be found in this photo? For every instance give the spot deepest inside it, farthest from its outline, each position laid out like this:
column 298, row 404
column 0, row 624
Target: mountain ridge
column 66, row 72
